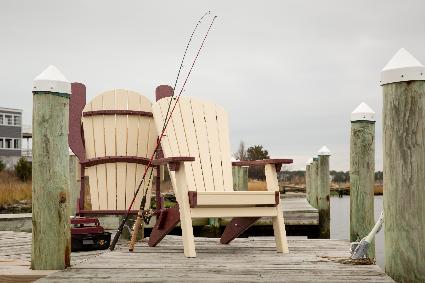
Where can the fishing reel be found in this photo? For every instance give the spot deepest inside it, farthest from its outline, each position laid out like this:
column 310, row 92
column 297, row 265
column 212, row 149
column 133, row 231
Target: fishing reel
column 147, row 215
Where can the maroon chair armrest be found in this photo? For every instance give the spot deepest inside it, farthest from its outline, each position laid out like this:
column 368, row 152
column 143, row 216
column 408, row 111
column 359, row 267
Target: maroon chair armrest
column 262, row 162
column 173, row 162
column 277, row 162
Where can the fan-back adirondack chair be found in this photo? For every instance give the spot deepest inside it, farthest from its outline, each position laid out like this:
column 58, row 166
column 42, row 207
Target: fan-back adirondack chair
column 119, row 138
column 197, row 150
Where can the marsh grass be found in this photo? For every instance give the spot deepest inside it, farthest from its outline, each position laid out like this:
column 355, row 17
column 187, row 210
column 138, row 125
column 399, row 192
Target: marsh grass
column 12, row 190
column 256, row 185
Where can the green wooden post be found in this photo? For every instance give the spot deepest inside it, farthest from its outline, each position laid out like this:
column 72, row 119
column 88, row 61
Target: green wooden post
column 403, row 87
column 240, row 178
column 314, row 179
column 307, row 181
column 235, row 173
column 362, row 174
column 51, row 238
column 74, row 182
column 323, row 192
column 243, row 178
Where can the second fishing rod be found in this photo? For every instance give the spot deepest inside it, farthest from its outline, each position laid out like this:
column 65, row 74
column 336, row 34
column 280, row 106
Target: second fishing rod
column 167, row 119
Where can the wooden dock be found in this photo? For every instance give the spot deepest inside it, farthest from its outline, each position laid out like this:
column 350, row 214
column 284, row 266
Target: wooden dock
column 301, row 219
column 244, row 260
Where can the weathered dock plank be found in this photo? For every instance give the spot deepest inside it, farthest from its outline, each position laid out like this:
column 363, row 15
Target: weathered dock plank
column 244, row 260
column 15, row 258
column 296, row 211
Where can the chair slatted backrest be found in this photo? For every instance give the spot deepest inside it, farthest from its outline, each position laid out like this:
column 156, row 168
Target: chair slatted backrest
column 113, row 184
column 198, row 129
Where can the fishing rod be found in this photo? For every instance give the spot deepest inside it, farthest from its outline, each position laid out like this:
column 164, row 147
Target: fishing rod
column 121, row 226
column 141, row 213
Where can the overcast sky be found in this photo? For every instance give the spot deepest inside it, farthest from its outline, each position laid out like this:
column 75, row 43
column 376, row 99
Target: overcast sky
column 289, row 72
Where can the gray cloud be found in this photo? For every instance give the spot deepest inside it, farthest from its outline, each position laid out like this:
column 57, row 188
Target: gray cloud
column 289, row 73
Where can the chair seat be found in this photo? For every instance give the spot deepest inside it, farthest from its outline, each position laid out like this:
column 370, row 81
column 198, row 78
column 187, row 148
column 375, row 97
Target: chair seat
column 233, row 198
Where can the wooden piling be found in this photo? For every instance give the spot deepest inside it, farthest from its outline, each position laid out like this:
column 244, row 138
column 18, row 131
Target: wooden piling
column 362, row 174
column 323, row 193
column 240, row 178
column 314, row 168
column 74, row 182
column 403, row 86
column 51, row 245
column 307, row 181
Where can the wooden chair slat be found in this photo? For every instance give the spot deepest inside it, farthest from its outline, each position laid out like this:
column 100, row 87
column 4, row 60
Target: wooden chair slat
column 121, row 140
column 177, row 123
column 99, row 147
column 203, row 144
column 170, row 142
column 110, row 150
column 214, row 145
column 91, row 172
column 224, row 140
column 185, row 110
column 132, row 140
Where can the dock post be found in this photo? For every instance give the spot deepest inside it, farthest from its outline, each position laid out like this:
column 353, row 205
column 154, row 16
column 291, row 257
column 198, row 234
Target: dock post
column 314, row 168
column 51, row 237
column 362, row 174
column 403, row 87
column 244, row 178
column 323, row 193
column 74, row 182
column 240, row 178
column 307, row 181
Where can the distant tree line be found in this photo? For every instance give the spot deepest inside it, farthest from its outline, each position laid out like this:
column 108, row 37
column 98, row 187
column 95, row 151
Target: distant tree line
column 23, row 169
column 257, row 152
column 298, row 177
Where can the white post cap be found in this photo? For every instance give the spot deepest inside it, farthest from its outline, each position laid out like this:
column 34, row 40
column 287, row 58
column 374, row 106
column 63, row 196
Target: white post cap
column 324, row 151
column 52, row 80
column 315, row 158
column 363, row 113
column 70, row 151
column 402, row 67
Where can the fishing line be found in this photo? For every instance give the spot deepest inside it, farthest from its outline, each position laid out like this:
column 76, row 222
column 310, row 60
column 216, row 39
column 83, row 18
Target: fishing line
column 167, row 119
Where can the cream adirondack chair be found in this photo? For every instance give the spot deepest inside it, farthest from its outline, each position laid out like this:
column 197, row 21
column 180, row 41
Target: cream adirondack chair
column 119, row 138
column 204, row 186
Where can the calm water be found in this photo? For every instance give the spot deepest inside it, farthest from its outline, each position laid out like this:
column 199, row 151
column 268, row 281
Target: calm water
column 340, row 223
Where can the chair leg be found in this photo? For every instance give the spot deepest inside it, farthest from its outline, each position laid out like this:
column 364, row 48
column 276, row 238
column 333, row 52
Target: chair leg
column 187, row 233
column 236, row 227
column 160, row 230
column 279, row 231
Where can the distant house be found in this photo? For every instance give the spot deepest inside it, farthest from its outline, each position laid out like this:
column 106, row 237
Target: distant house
column 10, row 135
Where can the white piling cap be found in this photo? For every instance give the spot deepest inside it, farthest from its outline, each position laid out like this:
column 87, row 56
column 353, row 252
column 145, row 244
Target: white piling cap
column 324, row 151
column 52, row 80
column 363, row 113
column 309, row 161
column 402, row 67
column 70, row 151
